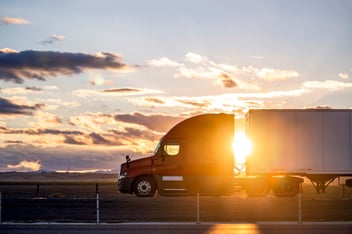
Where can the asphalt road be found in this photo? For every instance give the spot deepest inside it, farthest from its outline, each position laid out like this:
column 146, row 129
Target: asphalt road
column 169, row 228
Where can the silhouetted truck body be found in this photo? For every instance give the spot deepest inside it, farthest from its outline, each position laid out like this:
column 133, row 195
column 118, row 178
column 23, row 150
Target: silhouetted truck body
column 196, row 155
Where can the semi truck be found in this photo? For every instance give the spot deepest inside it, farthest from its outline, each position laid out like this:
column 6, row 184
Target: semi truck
column 288, row 145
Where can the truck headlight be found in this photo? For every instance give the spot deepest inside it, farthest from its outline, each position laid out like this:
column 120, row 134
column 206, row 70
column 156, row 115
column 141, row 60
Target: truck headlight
column 122, row 175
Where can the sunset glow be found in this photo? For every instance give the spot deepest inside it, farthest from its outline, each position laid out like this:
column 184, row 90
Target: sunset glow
column 242, row 146
column 83, row 85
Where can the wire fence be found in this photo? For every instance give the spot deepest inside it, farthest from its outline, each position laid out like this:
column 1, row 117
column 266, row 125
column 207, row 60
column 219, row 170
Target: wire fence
column 95, row 203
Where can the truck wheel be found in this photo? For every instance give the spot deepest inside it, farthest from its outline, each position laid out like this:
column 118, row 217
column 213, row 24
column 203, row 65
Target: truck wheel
column 144, row 187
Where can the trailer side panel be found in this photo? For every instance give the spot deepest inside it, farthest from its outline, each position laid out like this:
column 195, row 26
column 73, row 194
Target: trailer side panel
column 300, row 142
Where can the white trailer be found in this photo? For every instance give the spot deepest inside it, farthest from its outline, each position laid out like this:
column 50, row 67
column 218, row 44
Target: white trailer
column 312, row 143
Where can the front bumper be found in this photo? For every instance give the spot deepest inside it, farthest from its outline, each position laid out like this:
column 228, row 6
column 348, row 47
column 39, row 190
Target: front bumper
column 125, row 185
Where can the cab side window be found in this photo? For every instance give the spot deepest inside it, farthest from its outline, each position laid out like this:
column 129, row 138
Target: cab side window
column 171, row 149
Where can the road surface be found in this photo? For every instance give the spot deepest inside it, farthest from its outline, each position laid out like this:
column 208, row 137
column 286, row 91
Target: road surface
column 169, row 228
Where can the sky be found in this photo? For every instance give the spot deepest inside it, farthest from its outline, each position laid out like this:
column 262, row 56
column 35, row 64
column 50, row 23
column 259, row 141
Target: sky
column 84, row 83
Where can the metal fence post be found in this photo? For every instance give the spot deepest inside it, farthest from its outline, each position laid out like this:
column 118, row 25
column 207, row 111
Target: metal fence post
column 300, row 207
column 98, row 211
column 0, row 208
column 198, row 214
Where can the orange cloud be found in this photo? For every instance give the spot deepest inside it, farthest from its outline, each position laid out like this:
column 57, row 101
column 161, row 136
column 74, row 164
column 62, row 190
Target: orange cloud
column 25, row 165
column 12, row 20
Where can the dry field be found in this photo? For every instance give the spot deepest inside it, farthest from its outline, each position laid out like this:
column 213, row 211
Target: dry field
column 77, row 203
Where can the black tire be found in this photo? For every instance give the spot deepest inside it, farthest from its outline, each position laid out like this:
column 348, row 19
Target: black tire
column 257, row 187
column 144, row 186
column 286, row 187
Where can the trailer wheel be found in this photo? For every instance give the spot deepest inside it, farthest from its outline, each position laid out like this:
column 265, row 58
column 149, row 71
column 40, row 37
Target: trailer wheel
column 257, row 187
column 144, row 186
column 286, row 187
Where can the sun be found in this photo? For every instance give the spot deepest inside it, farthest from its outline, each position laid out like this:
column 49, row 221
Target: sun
column 242, row 146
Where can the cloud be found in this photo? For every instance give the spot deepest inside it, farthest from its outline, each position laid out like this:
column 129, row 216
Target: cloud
column 12, row 20
column 72, row 141
column 9, row 108
column 45, row 118
column 25, row 165
column 30, row 64
column 227, row 82
column 332, row 85
column 99, row 139
column 124, row 91
column 39, row 131
column 237, row 103
column 271, row 74
column 52, row 136
column 344, row 76
column 74, row 157
column 7, row 50
column 13, row 142
column 99, row 81
column 51, row 40
column 20, row 90
column 129, row 91
column 231, row 76
column 162, row 62
column 155, row 122
column 139, row 131
column 318, row 107
column 195, row 58
column 256, row 57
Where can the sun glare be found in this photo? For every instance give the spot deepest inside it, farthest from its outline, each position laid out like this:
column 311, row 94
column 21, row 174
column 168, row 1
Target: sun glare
column 242, row 146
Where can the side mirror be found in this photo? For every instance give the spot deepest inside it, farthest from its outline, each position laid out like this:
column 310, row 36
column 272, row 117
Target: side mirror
column 128, row 159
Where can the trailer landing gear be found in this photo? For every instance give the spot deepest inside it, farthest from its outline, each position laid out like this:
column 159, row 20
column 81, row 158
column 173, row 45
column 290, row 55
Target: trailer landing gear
column 321, row 182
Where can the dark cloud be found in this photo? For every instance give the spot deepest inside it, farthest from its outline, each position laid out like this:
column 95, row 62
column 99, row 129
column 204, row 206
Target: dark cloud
column 156, row 122
column 30, row 64
column 98, row 139
column 122, row 90
column 9, row 108
column 227, row 81
column 41, row 131
column 62, row 158
column 134, row 133
column 51, row 40
column 154, row 100
column 13, row 142
column 33, row 88
column 72, row 141
column 198, row 104
column 73, row 137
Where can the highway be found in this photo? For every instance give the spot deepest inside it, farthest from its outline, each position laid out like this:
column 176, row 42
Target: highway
column 169, row 228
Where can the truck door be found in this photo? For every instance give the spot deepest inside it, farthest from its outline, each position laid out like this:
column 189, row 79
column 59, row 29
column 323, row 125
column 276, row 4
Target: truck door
column 168, row 169
column 168, row 159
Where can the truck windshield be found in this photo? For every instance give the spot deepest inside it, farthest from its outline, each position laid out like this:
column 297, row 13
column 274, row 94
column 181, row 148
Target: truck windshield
column 157, row 148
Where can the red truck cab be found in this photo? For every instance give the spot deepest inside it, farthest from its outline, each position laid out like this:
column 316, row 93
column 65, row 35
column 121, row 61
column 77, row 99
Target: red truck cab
column 195, row 156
